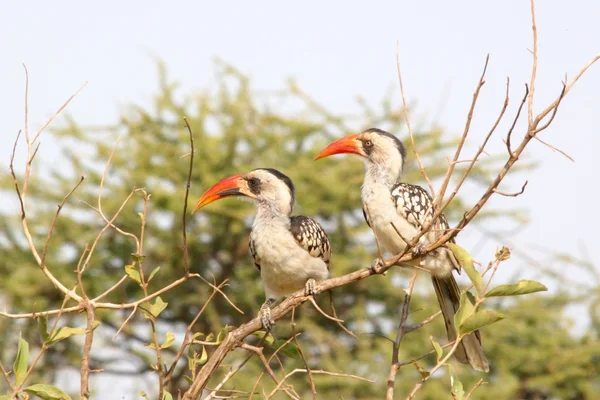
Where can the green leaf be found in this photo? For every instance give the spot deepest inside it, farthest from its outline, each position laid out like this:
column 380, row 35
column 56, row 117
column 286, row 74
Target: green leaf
column 170, row 338
column 516, row 289
column 65, row 332
column 197, row 335
column 187, row 378
column 439, row 353
column 210, row 337
column 154, row 271
column 142, row 217
column 503, row 254
column 138, row 258
column 260, row 334
column 48, row 392
column 133, row 273
column 424, row 374
column 458, row 392
column 480, row 319
column 223, row 334
column 466, row 262
column 43, row 328
column 289, row 349
column 167, row 396
column 204, row 356
column 21, row 361
column 466, row 309
column 153, row 310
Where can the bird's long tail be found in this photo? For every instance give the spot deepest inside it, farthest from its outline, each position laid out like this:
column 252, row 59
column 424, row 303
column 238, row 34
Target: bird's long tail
column 469, row 351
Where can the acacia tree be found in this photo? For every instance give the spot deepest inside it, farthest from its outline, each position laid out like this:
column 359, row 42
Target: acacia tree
column 176, row 296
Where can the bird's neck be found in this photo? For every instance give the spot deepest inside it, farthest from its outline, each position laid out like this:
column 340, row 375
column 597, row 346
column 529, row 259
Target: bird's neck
column 381, row 175
column 270, row 214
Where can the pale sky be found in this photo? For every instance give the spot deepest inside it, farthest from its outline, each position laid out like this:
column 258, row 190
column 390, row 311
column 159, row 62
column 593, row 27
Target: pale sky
column 336, row 50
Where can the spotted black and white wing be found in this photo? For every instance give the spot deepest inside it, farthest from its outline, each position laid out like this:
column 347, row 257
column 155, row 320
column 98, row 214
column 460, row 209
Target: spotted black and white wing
column 253, row 254
column 311, row 237
column 414, row 204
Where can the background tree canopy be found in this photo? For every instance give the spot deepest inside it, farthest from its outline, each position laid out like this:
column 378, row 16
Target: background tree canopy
column 533, row 353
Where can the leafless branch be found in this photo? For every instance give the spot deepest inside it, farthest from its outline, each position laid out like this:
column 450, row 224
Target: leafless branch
column 186, row 254
column 316, row 372
column 402, row 329
column 512, row 194
column 410, row 132
column 440, row 195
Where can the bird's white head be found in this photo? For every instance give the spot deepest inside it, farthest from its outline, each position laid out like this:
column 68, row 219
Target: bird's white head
column 265, row 186
column 383, row 153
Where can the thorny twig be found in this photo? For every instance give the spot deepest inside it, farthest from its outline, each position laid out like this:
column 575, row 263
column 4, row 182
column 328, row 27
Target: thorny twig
column 301, row 353
column 402, row 329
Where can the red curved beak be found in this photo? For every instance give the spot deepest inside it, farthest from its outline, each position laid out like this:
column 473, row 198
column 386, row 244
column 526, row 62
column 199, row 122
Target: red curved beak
column 224, row 188
column 348, row 144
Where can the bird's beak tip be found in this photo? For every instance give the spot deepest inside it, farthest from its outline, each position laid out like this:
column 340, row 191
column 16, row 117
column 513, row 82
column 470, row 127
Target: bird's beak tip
column 347, row 144
column 224, row 188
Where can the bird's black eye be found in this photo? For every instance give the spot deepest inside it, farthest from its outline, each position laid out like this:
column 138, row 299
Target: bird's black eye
column 254, row 185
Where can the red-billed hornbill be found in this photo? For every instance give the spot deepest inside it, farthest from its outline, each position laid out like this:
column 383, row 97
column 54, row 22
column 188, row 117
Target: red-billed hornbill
column 291, row 252
column 396, row 205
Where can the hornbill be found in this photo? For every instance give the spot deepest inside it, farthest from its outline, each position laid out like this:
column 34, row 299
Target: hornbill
column 291, row 252
column 394, row 205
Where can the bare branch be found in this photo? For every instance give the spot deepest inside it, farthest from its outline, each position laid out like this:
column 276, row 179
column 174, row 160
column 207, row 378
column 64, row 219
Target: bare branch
column 410, row 132
column 186, row 254
column 533, row 66
column 512, row 194
column 401, row 331
column 317, row 372
column 301, row 353
column 440, row 196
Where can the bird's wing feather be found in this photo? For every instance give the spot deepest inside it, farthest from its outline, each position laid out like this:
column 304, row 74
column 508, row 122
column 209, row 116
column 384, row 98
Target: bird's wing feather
column 253, row 254
column 311, row 237
column 415, row 205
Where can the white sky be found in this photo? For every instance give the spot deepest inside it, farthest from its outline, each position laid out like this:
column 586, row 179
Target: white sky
column 336, row 50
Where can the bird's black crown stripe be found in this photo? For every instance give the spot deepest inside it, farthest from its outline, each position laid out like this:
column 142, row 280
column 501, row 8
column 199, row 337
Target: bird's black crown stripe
column 397, row 142
column 288, row 182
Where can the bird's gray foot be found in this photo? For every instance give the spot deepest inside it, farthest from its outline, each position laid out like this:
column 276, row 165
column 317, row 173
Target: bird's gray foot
column 418, row 250
column 265, row 315
column 309, row 288
column 375, row 265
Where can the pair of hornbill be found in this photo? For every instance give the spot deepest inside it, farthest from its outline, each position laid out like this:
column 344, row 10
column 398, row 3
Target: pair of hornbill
column 293, row 252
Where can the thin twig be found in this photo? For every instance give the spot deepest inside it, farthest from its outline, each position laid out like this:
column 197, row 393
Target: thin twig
column 533, row 66
column 186, row 254
column 520, row 192
column 410, row 132
column 320, row 371
column 553, row 148
column 399, row 335
column 301, row 353
column 440, row 196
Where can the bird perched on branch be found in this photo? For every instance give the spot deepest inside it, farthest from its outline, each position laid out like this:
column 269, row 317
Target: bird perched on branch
column 291, row 252
column 396, row 211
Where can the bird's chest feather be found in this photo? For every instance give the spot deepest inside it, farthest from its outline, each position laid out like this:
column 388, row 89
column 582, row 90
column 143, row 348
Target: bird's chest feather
column 385, row 218
column 284, row 265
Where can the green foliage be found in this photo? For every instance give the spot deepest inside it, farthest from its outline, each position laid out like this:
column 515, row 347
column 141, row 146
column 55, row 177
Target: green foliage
column 47, row 392
column 478, row 320
column 235, row 130
column 21, row 361
column 516, row 289
column 466, row 262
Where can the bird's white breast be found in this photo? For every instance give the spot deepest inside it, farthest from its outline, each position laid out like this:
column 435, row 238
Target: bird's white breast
column 382, row 211
column 284, row 265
